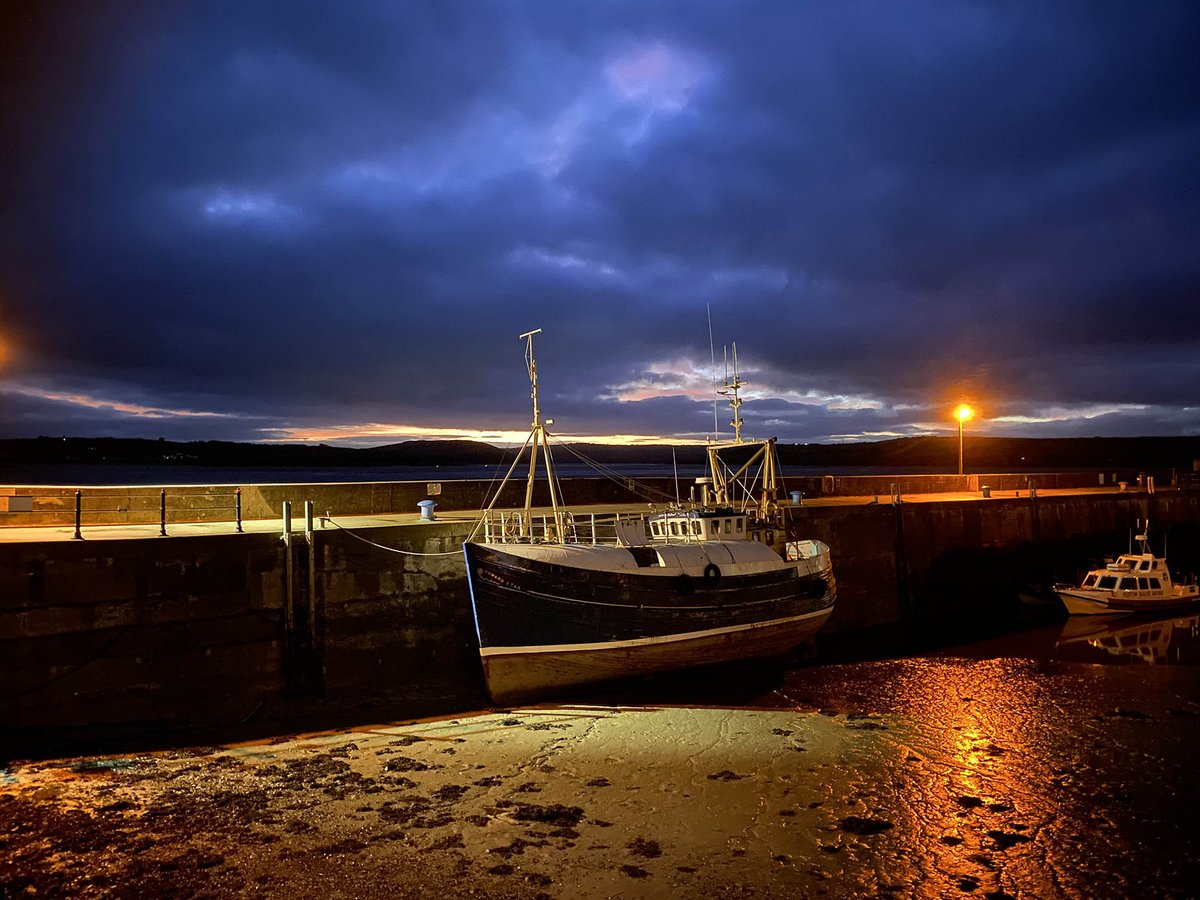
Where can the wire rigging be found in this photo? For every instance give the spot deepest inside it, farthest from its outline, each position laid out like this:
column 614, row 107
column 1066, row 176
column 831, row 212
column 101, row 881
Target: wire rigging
column 642, row 490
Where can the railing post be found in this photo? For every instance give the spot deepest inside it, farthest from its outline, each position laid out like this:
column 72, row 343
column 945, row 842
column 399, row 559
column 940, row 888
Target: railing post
column 310, row 536
column 162, row 512
column 78, row 515
column 237, row 503
column 289, row 612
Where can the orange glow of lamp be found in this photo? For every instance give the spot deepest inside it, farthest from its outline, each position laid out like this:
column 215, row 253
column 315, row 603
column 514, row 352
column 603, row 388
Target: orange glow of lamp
column 962, row 413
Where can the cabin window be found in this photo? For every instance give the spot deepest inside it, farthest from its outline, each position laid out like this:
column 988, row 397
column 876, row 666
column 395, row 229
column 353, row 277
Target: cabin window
column 729, row 526
column 1145, row 565
column 1154, row 563
column 740, row 523
column 1107, row 582
column 1143, row 584
column 654, row 528
column 1129, row 584
column 695, row 527
column 1090, row 581
column 1154, row 585
column 675, row 528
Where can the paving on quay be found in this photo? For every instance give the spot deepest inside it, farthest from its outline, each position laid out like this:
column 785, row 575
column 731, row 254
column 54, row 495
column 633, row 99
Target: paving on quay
column 49, row 533
column 992, row 774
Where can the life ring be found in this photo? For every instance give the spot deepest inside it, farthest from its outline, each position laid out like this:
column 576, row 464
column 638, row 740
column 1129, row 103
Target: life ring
column 712, row 573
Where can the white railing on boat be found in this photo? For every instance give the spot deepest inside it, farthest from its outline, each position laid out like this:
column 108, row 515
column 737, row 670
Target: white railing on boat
column 519, row 527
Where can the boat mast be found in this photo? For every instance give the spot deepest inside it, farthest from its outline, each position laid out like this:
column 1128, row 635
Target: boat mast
column 538, row 436
column 765, row 455
column 735, row 402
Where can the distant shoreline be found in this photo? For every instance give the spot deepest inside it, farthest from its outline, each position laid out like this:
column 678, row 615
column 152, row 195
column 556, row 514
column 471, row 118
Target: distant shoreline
column 115, row 460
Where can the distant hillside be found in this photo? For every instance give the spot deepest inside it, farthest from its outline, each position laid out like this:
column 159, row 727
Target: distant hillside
column 981, row 453
column 1002, row 454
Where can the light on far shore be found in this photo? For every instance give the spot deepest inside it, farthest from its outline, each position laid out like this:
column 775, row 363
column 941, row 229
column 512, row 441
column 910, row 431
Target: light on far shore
column 962, row 412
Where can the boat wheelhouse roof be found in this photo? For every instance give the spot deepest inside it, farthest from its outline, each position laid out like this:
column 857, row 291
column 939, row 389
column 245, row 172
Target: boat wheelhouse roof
column 719, row 513
column 1141, row 562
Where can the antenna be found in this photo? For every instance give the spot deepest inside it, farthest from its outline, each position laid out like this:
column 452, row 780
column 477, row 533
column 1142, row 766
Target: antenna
column 712, row 355
column 675, row 467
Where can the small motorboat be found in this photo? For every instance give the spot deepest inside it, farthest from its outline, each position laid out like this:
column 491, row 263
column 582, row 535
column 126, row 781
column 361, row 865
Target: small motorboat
column 1135, row 582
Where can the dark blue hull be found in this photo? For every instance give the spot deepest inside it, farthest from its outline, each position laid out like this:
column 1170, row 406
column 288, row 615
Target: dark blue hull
column 544, row 625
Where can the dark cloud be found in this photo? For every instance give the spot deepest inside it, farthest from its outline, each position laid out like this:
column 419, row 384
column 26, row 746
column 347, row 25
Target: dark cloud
column 299, row 216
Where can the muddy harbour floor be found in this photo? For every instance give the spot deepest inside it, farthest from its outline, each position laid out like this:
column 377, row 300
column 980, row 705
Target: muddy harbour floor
column 1044, row 764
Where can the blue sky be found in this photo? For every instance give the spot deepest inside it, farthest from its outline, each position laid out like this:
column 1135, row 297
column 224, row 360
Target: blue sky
column 330, row 222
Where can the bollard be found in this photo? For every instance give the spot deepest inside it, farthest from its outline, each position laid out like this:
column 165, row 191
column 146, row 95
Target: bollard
column 237, row 503
column 427, row 507
column 78, row 515
column 162, row 513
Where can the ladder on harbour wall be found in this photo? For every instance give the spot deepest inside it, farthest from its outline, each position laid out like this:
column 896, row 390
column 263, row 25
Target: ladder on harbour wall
column 303, row 657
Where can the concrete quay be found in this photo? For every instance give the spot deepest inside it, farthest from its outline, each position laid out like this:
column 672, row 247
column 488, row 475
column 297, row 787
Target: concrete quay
column 211, row 626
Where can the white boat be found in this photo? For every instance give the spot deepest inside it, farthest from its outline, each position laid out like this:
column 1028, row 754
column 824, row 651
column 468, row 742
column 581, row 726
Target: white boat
column 563, row 598
column 1149, row 639
column 1135, row 582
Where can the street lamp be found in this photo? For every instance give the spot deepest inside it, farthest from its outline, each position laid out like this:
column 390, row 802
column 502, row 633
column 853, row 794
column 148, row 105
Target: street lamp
column 962, row 413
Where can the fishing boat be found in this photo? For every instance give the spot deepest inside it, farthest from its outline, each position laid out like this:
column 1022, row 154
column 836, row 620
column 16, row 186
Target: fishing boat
column 1134, row 582
column 564, row 598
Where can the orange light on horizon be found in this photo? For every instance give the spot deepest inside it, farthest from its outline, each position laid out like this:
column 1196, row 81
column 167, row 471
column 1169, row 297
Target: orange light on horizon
column 962, row 413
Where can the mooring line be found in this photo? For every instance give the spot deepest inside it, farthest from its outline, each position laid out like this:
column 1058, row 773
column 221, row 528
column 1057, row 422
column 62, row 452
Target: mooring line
column 457, row 552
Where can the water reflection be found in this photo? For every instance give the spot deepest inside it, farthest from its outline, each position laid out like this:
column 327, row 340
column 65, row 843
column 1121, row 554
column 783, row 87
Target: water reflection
column 1131, row 639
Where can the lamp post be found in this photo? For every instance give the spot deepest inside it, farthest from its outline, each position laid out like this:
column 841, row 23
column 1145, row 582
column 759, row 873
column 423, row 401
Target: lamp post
column 962, row 413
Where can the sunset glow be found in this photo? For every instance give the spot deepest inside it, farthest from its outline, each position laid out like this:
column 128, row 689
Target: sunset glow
column 377, row 433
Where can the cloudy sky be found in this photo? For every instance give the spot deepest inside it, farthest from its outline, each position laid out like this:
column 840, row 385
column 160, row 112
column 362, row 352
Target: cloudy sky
column 331, row 221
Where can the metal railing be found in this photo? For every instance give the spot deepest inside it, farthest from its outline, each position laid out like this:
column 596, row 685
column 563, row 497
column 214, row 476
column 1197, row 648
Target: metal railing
column 164, row 508
column 518, row 527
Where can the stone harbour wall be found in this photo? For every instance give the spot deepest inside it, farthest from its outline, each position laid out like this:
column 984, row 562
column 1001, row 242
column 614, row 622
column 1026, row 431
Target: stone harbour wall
column 38, row 505
column 181, row 632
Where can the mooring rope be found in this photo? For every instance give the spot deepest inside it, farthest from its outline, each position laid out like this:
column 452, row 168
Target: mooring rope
column 457, row 552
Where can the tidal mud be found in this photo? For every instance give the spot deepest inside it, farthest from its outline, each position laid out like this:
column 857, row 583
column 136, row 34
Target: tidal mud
column 935, row 777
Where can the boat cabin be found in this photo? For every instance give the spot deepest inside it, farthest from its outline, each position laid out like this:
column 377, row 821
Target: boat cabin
column 1144, row 572
column 707, row 525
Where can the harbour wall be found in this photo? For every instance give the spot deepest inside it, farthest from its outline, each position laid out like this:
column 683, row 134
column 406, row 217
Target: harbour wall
column 48, row 505
column 172, row 634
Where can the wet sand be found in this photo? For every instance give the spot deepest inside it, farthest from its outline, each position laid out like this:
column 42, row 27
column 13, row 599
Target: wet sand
column 989, row 770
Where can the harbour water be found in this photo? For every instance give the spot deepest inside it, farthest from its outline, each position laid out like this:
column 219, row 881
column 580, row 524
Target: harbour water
column 1049, row 758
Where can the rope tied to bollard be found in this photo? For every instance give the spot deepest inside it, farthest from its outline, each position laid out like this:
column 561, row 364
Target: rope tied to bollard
column 329, row 519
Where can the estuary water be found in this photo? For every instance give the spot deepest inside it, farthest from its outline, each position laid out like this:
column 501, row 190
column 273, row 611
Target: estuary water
column 220, row 475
